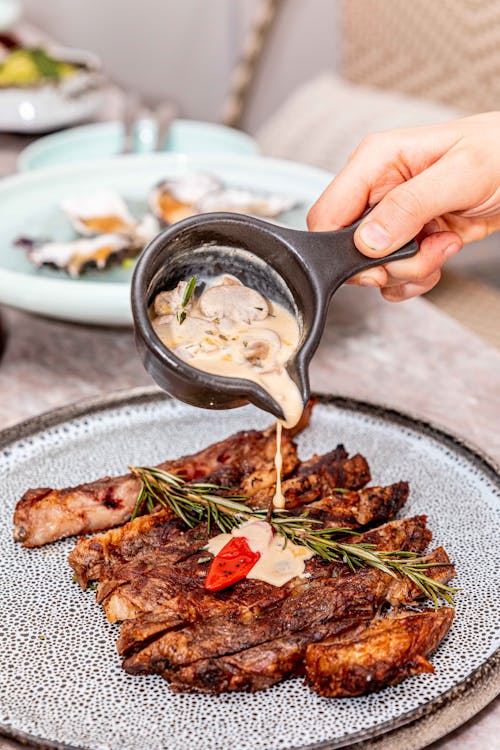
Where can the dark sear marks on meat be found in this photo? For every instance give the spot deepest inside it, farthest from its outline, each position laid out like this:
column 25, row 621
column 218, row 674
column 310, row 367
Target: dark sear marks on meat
column 244, row 463
column 347, row 632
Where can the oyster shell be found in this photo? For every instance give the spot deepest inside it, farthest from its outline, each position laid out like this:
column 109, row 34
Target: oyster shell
column 101, row 212
column 76, row 256
column 180, row 197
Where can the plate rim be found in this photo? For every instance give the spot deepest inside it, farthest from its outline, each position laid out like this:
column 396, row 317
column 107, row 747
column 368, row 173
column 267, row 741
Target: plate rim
column 32, row 150
column 431, row 721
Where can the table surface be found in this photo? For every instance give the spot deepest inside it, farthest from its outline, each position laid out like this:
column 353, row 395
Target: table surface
column 409, row 356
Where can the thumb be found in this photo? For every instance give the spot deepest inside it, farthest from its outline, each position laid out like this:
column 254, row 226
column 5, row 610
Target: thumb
column 403, row 211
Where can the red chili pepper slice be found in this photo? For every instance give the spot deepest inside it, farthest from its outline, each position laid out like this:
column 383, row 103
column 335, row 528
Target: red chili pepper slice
column 231, row 564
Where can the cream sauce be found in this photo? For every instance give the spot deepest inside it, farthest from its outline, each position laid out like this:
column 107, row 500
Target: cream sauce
column 279, row 561
column 279, row 498
column 232, row 330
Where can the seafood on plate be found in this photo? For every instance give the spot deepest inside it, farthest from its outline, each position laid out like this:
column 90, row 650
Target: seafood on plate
column 107, row 234
column 177, row 198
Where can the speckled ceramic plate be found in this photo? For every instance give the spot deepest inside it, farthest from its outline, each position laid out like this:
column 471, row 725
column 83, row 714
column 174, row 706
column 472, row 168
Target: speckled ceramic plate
column 61, row 684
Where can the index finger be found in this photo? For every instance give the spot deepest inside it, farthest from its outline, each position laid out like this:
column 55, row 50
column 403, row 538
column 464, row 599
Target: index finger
column 381, row 162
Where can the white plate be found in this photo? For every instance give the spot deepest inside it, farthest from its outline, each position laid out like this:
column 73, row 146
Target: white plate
column 101, row 140
column 50, row 105
column 29, row 206
column 61, row 683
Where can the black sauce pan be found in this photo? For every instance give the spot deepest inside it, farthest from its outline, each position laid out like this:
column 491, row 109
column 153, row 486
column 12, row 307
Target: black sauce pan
column 299, row 269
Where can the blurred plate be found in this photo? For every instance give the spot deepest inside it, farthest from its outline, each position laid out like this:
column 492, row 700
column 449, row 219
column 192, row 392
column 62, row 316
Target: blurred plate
column 46, row 106
column 29, row 206
column 10, row 10
column 104, row 139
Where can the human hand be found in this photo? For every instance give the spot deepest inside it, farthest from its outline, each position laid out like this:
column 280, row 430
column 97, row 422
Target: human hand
column 440, row 183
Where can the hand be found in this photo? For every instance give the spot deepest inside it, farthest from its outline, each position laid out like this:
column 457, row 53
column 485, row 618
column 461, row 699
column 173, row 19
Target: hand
column 439, row 183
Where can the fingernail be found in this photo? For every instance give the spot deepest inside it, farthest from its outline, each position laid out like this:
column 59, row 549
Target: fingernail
column 366, row 279
column 452, row 250
column 375, row 236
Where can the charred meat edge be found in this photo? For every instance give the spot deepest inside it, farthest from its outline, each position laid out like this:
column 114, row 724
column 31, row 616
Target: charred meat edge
column 391, row 649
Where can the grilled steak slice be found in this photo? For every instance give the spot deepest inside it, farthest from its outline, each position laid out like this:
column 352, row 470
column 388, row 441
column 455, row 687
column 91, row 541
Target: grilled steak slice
column 151, row 580
column 317, row 477
column 282, row 656
column 260, row 667
column 142, row 535
column 147, row 584
column 248, row 597
column 246, row 459
column 146, row 533
column 359, row 508
column 307, row 606
column 389, row 650
column 353, row 595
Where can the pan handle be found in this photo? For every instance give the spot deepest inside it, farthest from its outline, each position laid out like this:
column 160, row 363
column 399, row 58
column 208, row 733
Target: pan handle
column 332, row 257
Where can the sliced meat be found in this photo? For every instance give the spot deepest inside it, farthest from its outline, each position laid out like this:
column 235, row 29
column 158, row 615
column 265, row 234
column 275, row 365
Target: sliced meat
column 152, row 580
column 260, row 667
column 219, row 636
column 146, row 584
column 389, row 650
column 354, row 595
column 122, row 544
column 403, row 590
column 354, row 509
column 318, row 477
column 263, row 665
column 248, row 597
column 246, row 459
column 159, row 529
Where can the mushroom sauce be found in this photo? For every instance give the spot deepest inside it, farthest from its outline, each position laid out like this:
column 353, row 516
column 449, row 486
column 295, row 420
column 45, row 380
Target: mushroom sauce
column 232, row 330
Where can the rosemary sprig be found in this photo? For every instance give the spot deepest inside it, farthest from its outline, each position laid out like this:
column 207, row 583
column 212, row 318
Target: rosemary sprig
column 198, row 501
column 188, row 293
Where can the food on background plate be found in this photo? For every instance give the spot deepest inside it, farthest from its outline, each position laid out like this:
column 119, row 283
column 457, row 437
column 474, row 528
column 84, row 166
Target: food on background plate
column 25, row 67
column 177, row 198
column 119, row 237
column 353, row 605
column 108, row 234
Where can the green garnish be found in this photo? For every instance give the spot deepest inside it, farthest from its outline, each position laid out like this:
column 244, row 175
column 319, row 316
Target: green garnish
column 188, row 293
column 198, row 501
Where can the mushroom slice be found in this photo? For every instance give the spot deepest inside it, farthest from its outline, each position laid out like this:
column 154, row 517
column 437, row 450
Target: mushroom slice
column 227, row 280
column 162, row 320
column 260, row 348
column 101, row 212
column 170, row 303
column 235, row 302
